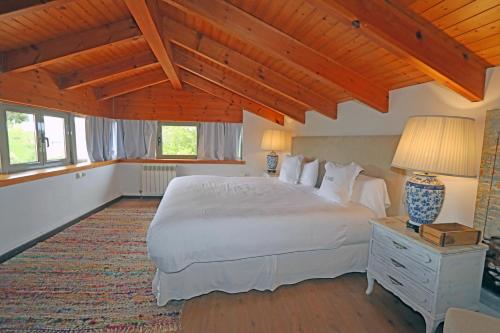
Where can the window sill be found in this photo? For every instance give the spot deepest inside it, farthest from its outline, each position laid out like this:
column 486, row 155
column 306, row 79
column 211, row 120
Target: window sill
column 183, row 161
column 27, row 176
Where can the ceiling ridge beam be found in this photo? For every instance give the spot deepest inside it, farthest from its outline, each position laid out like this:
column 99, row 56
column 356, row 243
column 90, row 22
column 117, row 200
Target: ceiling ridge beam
column 247, row 28
column 415, row 40
column 105, row 71
column 233, row 98
column 130, row 84
column 231, row 82
column 54, row 50
column 249, row 68
column 147, row 15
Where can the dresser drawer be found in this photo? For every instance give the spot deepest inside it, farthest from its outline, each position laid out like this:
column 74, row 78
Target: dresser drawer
column 421, row 275
column 404, row 247
column 396, row 281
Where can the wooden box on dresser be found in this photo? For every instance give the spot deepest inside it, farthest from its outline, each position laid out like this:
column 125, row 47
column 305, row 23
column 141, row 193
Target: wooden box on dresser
column 428, row 278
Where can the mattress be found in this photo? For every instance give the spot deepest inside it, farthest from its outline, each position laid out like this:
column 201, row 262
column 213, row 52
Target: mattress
column 203, row 219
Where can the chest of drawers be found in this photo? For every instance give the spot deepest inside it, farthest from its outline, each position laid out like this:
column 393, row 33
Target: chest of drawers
column 427, row 278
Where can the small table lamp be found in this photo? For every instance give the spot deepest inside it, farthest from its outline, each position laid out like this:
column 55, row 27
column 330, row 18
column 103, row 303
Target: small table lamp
column 273, row 140
column 433, row 145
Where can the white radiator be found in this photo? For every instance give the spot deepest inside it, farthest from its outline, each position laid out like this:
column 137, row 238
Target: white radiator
column 155, row 178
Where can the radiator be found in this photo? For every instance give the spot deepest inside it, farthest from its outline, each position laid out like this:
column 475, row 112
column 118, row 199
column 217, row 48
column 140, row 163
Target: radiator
column 155, row 178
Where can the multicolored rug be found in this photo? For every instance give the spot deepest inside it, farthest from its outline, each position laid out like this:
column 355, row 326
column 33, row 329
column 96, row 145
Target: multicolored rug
column 93, row 277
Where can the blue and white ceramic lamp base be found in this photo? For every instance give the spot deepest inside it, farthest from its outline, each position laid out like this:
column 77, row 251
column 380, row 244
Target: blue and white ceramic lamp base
column 272, row 162
column 424, row 199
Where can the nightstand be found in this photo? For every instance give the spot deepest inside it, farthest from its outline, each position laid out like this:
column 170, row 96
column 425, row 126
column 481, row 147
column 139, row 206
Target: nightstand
column 428, row 278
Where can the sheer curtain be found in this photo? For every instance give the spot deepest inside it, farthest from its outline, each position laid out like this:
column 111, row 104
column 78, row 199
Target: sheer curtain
column 219, row 141
column 136, row 139
column 100, row 134
column 109, row 139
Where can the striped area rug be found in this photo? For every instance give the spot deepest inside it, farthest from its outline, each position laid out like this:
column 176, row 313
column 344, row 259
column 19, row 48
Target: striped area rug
column 92, row 277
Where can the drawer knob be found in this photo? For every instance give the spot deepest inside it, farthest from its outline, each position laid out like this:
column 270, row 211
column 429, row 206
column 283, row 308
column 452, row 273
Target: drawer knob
column 394, row 281
column 397, row 263
column 399, row 246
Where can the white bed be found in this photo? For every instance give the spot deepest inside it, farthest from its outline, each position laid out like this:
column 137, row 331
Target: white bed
column 240, row 233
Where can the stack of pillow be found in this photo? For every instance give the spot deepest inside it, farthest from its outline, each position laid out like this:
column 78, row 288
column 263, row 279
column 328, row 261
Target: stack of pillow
column 294, row 171
column 341, row 183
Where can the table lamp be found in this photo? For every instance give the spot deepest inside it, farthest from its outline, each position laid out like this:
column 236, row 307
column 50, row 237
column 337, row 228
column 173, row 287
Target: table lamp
column 430, row 146
column 273, row 140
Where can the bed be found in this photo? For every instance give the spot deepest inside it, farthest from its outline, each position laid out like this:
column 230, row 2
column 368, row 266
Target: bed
column 236, row 234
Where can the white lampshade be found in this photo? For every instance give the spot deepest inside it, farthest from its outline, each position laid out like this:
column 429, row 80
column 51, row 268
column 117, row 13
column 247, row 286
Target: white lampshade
column 274, row 140
column 439, row 145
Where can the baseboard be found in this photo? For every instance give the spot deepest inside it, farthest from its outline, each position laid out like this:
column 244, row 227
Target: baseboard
column 21, row 248
column 138, row 196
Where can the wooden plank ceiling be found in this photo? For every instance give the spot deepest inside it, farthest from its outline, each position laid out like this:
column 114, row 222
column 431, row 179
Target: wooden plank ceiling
column 199, row 60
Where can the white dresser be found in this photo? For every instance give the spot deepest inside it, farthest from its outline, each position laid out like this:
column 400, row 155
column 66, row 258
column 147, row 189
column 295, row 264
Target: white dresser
column 428, row 278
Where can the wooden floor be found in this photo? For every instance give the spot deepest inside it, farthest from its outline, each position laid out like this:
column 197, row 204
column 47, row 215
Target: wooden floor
column 317, row 306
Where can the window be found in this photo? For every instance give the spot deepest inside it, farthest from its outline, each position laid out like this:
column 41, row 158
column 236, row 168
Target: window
column 82, row 154
column 177, row 140
column 33, row 138
column 22, row 137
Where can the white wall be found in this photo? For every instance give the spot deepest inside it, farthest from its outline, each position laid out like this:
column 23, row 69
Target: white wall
column 424, row 99
column 31, row 209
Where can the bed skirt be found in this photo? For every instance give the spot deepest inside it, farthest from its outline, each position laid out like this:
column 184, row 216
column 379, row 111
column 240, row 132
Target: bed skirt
column 260, row 273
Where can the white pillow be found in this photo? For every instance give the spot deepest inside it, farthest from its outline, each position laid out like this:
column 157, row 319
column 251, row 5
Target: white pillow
column 372, row 193
column 338, row 182
column 309, row 175
column 290, row 169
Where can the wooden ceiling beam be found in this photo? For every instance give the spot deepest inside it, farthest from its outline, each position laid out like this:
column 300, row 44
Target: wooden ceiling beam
column 8, row 6
column 415, row 40
column 133, row 83
column 147, row 15
column 228, row 96
column 224, row 56
column 249, row 29
column 231, row 82
column 109, row 70
column 51, row 51
column 11, row 8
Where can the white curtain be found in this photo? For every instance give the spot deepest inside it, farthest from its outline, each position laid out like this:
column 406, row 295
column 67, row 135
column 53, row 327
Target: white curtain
column 232, row 141
column 219, row 141
column 136, row 139
column 101, row 138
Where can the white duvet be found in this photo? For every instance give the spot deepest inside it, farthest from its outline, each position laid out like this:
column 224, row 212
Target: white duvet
column 210, row 218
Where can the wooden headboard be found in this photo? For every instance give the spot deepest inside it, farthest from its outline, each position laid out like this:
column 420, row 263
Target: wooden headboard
column 373, row 152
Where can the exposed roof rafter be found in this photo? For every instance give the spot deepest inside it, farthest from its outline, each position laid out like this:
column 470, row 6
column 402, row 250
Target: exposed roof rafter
column 54, row 50
column 275, row 102
column 415, row 40
column 147, row 16
column 249, row 29
column 226, row 57
column 10, row 8
column 133, row 83
column 234, row 99
column 97, row 73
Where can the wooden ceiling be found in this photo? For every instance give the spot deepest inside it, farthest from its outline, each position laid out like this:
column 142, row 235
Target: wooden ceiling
column 154, row 58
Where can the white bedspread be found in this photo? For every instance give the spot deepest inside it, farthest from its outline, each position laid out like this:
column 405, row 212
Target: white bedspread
column 210, row 218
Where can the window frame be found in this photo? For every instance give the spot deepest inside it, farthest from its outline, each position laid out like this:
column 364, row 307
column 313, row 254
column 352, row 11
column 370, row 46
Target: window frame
column 159, row 150
column 42, row 162
column 74, row 150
